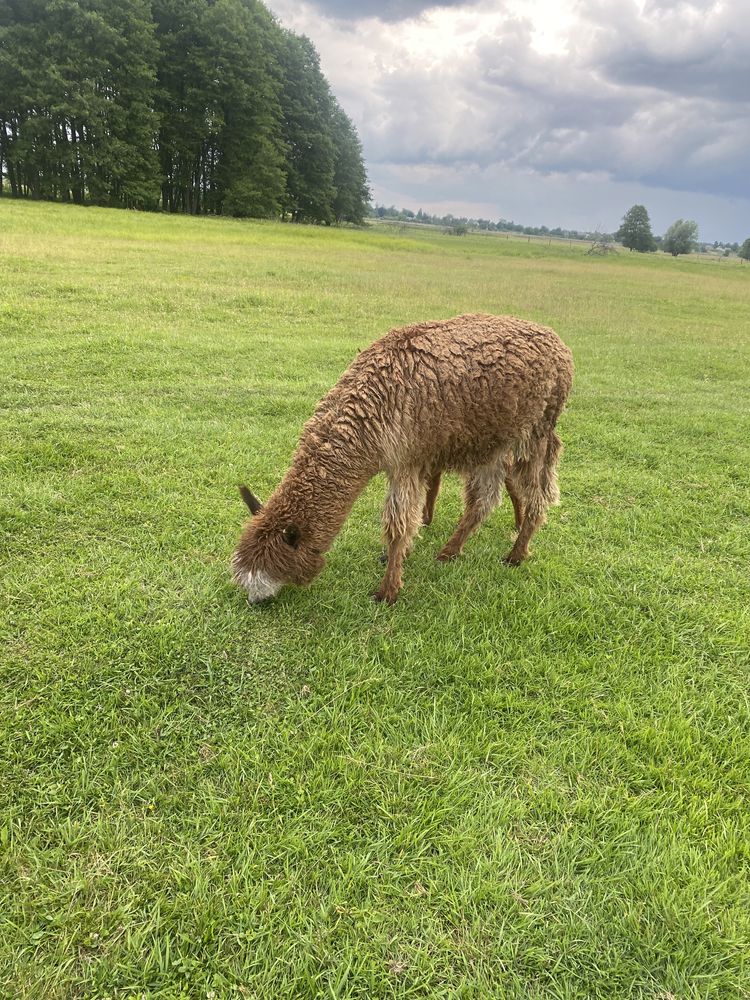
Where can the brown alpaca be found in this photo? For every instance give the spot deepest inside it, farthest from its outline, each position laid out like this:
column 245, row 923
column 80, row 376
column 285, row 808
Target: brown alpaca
column 478, row 395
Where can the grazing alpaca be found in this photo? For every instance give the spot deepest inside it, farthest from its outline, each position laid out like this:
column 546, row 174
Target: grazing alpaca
column 479, row 395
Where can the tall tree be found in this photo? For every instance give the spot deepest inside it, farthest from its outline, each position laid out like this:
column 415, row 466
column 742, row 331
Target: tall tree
column 744, row 250
column 308, row 133
column 16, row 83
column 251, row 174
column 220, row 143
column 76, row 78
column 635, row 230
column 119, row 51
column 681, row 237
column 186, row 102
column 349, row 176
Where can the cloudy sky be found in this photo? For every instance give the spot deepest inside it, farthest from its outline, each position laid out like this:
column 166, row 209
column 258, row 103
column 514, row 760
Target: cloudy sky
column 554, row 112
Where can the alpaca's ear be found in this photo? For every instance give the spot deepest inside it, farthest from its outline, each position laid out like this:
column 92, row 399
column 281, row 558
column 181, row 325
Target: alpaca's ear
column 291, row 536
column 250, row 499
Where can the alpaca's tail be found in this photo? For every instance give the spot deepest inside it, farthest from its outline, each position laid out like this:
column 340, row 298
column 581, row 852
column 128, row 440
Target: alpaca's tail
column 548, row 471
column 534, row 469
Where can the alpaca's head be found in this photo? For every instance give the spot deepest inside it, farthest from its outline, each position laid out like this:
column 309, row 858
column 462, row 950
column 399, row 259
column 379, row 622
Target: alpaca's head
column 272, row 551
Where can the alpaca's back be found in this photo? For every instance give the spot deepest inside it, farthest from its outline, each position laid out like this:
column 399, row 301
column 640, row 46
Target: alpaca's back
column 452, row 393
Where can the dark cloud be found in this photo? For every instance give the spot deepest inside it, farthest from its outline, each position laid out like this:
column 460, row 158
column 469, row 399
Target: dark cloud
column 391, row 10
column 598, row 96
column 680, row 48
column 656, row 102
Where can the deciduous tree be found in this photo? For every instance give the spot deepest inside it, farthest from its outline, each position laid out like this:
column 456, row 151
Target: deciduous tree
column 681, row 237
column 76, row 89
column 349, row 175
column 308, row 110
column 635, row 230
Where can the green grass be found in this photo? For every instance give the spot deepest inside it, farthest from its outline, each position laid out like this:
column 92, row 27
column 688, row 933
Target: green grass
column 524, row 783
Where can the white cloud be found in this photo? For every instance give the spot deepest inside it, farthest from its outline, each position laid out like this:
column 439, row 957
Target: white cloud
column 540, row 96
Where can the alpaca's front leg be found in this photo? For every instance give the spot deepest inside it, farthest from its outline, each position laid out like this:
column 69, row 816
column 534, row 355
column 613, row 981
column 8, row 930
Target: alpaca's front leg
column 401, row 519
column 392, row 582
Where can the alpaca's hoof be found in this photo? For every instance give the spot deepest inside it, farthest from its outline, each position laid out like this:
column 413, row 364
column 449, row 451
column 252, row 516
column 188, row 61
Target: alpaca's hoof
column 510, row 560
column 383, row 557
column 447, row 555
column 384, row 597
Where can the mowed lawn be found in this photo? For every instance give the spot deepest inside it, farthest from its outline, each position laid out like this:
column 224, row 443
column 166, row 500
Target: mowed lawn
column 523, row 783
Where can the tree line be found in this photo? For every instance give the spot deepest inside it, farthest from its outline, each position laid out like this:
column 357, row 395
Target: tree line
column 634, row 233
column 197, row 106
column 453, row 222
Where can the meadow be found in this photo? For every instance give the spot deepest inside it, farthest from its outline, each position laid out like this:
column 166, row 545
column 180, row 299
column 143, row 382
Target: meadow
column 515, row 783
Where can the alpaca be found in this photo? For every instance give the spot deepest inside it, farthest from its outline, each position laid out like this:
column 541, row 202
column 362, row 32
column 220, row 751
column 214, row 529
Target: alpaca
column 477, row 394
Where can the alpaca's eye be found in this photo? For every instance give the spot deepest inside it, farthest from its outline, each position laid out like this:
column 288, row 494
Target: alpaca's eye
column 291, row 536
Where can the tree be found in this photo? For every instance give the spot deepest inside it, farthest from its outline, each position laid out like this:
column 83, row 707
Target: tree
column 349, row 175
column 76, row 100
column 250, row 175
column 635, row 231
column 681, row 237
column 744, row 251
column 307, row 106
column 602, row 245
column 186, row 103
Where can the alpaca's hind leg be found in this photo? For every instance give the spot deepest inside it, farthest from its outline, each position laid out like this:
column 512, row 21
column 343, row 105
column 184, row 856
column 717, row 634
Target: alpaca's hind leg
column 482, row 493
column 534, row 518
column 536, row 477
column 515, row 498
column 401, row 519
column 433, row 488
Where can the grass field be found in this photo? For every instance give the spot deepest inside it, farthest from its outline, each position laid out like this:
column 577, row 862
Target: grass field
column 523, row 783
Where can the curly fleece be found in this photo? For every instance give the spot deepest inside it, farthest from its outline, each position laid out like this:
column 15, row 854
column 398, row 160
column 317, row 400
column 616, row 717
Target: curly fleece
column 477, row 394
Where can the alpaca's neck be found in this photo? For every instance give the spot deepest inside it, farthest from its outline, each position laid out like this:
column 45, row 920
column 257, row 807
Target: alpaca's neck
column 325, row 479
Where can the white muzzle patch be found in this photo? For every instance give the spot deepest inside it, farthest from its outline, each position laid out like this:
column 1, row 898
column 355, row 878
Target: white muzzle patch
column 258, row 585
